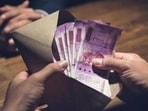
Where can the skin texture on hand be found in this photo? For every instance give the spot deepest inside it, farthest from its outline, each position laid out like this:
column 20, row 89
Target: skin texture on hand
column 132, row 69
column 13, row 17
column 25, row 92
column 18, row 16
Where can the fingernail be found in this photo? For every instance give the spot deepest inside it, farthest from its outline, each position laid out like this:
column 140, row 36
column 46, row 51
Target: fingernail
column 7, row 29
column 11, row 42
column 97, row 61
column 3, row 16
column 63, row 64
column 42, row 107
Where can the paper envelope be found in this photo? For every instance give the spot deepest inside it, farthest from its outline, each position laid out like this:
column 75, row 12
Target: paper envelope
column 62, row 93
column 34, row 40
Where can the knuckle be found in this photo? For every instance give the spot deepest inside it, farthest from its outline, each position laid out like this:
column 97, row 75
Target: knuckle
column 30, row 10
column 20, row 9
column 133, row 56
column 11, row 21
column 107, row 62
column 53, row 67
column 9, row 8
column 23, row 16
column 34, row 77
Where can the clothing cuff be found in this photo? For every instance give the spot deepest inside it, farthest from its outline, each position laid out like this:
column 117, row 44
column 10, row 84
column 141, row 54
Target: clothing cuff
column 41, row 11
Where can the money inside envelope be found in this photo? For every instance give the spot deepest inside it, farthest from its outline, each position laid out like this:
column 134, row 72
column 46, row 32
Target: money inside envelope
column 81, row 41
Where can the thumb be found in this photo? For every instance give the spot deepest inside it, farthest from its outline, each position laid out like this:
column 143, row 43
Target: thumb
column 25, row 4
column 20, row 78
column 46, row 72
column 110, row 64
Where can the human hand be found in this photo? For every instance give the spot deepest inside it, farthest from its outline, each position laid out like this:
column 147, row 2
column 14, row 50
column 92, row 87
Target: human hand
column 18, row 16
column 24, row 92
column 8, row 8
column 12, row 18
column 132, row 69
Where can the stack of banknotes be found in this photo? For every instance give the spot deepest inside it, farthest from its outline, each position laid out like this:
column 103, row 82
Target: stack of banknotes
column 81, row 41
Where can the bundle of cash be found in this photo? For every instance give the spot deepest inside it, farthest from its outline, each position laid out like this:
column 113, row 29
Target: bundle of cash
column 81, row 41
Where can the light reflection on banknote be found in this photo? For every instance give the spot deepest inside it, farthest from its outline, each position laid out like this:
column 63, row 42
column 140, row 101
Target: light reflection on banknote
column 79, row 42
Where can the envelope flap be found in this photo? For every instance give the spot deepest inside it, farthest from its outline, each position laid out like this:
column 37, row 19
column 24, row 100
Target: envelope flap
column 34, row 40
column 41, row 30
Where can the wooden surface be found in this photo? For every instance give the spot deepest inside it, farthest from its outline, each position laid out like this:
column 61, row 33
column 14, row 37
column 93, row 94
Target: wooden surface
column 129, row 15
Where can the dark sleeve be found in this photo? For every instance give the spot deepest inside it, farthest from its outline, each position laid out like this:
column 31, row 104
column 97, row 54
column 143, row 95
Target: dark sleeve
column 54, row 5
column 10, row 2
column 49, row 5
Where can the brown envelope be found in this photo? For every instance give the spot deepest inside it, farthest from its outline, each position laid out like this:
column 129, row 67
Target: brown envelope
column 34, row 40
column 62, row 93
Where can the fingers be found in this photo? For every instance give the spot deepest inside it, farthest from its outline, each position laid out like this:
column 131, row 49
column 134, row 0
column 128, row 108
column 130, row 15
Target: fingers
column 51, row 69
column 20, row 18
column 127, row 56
column 25, row 4
column 14, row 26
column 27, row 15
column 119, row 63
column 6, row 8
column 110, row 64
column 10, row 14
column 119, row 55
column 11, row 42
column 41, row 108
column 3, row 10
column 20, row 21
column 8, row 11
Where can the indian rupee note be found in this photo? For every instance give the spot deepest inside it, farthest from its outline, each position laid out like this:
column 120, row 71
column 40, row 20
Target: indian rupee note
column 100, row 41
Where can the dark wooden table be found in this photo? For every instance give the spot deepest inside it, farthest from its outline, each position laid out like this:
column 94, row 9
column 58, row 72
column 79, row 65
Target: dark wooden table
column 129, row 15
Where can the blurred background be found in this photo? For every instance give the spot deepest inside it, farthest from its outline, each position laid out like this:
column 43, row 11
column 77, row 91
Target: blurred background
column 48, row 5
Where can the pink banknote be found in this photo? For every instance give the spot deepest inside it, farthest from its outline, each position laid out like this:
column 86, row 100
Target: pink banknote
column 79, row 42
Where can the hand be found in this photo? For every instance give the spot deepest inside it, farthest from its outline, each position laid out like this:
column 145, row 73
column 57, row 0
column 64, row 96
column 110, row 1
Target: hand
column 132, row 69
column 8, row 8
column 24, row 92
column 17, row 16
column 12, row 18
